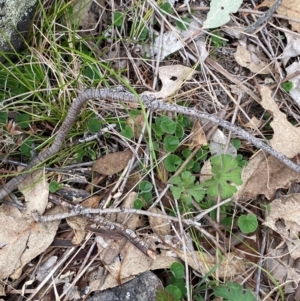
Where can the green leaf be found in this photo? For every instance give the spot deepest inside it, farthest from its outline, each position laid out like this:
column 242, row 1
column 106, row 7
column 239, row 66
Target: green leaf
column 23, row 120
column 166, row 8
column 177, row 270
column 175, row 291
column 94, row 125
column 184, row 187
column 225, row 170
column 3, row 117
column 54, row 186
column 138, row 204
column 162, row 295
column 118, row 18
column 157, row 130
column 233, row 292
column 219, row 12
column 168, row 126
column 26, row 147
column 172, row 162
column 179, row 131
column 145, row 186
column 287, row 86
column 179, row 283
column 170, row 143
column 127, row 132
column 217, row 40
column 183, row 24
column 236, row 143
column 146, row 197
column 248, row 223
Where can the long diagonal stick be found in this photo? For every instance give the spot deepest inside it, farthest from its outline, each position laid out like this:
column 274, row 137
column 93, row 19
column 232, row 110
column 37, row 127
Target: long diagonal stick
column 119, row 94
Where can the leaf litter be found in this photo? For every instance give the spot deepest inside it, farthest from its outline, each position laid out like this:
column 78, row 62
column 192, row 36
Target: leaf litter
column 23, row 240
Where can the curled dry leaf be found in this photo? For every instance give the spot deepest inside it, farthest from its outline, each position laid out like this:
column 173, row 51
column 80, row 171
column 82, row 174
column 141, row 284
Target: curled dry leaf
column 173, row 41
column 288, row 8
column 78, row 223
column 284, row 270
column 133, row 263
column 250, row 59
column 292, row 47
column 21, row 238
column 137, row 123
column 253, row 124
column 230, row 266
column 112, row 163
column 172, row 77
column 159, row 226
column 199, row 137
column 264, row 175
column 286, row 138
column 284, row 218
column 295, row 91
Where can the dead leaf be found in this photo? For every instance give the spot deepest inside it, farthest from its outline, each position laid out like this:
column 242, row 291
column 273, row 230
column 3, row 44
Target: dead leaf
column 131, row 221
column 286, row 138
column 284, row 218
column 78, row 223
column 231, row 265
column 281, row 269
column 199, row 137
column 35, row 189
column 218, row 143
column 160, row 226
column 253, row 124
column 112, row 163
column 172, row 77
column 264, row 174
column 137, row 123
column 288, row 8
column 173, row 41
column 250, row 59
column 292, row 47
column 295, row 91
column 21, row 241
column 83, row 15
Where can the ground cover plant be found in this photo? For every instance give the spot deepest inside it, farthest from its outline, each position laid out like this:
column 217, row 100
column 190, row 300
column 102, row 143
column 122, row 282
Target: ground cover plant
column 167, row 129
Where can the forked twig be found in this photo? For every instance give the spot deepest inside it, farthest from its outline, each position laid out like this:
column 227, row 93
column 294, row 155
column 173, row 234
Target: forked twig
column 119, row 94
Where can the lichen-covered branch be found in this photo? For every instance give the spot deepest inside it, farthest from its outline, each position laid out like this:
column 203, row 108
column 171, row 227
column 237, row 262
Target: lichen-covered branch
column 119, row 94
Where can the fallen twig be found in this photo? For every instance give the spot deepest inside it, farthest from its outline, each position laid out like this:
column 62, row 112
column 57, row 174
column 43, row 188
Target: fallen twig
column 119, row 94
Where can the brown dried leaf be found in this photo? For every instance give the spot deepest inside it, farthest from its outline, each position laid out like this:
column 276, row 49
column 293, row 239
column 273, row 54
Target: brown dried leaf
column 112, row 163
column 264, row 175
column 137, row 123
column 78, row 223
column 160, row 226
column 284, row 218
column 22, row 240
column 253, row 124
column 283, row 270
column 172, row 77
column 133, row 263
column 199, row 137
column 250, row 60
column 288, row 8
column 286, row 138
column 231, row 265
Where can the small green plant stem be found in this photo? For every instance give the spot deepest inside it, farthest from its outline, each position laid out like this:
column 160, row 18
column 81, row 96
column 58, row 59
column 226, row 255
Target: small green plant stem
column 119, row 94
